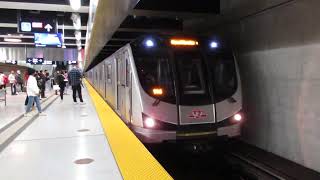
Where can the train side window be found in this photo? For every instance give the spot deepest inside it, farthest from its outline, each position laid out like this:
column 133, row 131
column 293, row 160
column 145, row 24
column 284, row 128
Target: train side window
column 127, row 72
column 109, row 73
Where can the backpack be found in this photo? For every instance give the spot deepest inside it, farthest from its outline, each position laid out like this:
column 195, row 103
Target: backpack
column 5, row 79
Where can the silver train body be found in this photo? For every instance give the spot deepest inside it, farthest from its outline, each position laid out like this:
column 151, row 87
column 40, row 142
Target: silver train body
column 172, row 90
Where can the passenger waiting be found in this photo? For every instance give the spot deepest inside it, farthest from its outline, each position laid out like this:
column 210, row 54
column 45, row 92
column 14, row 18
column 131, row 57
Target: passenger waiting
column 19, row 79
column 33, row 93
column 12, row 80
column 74, row 77
column 2, row 84
column 62, row 84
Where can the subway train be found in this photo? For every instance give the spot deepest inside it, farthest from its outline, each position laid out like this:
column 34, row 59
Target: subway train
column 173, row 88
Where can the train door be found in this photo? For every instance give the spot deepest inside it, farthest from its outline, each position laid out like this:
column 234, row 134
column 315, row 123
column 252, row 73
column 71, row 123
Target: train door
column 128, row 89
column 104, row 79
column 195, row 100
column 122, row 86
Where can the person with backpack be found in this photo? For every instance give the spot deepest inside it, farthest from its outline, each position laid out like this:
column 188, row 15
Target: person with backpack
column 19, row 79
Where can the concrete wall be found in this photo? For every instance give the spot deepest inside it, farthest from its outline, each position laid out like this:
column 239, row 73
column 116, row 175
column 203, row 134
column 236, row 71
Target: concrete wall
column 279, row 58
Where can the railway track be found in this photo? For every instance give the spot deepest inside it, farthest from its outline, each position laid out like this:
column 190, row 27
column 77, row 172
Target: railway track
column 229, row 161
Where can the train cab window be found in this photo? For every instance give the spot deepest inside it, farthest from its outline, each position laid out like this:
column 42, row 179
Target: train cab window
column 154, row 71
column 224, row 75
column 192, row 76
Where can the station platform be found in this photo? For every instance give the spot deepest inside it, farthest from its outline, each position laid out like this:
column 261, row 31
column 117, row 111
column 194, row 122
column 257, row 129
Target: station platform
column 74, row 142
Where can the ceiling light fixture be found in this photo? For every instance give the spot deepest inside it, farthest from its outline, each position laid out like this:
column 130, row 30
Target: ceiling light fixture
column 12, row 40
column 75, row 4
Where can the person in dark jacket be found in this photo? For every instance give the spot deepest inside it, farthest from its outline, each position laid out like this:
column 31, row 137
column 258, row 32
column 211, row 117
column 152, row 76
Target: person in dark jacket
column 61, row 83
column 19, row 79
column 74, row 78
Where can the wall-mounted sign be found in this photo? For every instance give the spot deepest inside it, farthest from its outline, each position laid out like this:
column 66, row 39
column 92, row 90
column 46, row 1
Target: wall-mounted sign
column 48, row 62
column 35, row 61
column 11, row 62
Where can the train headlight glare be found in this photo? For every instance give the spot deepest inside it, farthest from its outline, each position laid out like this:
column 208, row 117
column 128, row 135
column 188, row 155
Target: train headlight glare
column 149, row 122
column 237, row 117
column 213, row 44
column 149, row 43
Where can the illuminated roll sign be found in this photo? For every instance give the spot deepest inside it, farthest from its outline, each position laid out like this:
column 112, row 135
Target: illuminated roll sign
column 183, row 42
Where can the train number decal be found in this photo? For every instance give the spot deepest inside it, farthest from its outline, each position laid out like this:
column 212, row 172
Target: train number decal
column 197, row 114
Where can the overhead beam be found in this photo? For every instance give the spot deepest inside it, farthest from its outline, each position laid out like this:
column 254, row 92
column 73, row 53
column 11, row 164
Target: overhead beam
column 147, row 30
column 170, row 14
column 41, row 7
column 114, row 45
column 121, row 39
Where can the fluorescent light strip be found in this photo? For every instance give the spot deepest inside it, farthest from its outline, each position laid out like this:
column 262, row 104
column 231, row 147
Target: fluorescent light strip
column 31, row 37
column 13, row 25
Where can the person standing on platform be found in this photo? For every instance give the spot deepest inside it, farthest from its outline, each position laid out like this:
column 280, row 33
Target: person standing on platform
column 2, row 84
column 33, row 93
column 12, row 80
column 19, row 79
column 62, row 84
column 55, row 77
column 74, row 77
column 65, row 74
column 43, row 80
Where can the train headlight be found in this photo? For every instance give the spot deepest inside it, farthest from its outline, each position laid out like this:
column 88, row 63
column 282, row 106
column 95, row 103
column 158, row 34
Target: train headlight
column 214, row 45
column 149, row 43
column 149, row 122
column 237, row 117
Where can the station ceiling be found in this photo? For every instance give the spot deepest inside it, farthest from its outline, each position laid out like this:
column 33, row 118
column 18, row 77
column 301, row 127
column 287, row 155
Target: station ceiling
column 58, row 9
column 149, row 16
column 141, row 17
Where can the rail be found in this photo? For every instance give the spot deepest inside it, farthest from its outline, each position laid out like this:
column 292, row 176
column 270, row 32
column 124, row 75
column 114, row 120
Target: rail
column 3, row 96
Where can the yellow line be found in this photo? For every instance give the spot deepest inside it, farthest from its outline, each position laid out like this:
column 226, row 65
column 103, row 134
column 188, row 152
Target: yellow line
column 134, row 160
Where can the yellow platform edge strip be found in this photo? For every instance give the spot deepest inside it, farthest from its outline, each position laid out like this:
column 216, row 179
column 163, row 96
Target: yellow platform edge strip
column 133, row 159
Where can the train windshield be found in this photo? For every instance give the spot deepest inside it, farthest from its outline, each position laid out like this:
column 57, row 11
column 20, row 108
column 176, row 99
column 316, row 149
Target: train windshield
column 154, row 71
column 224, row 77
column 192, row 76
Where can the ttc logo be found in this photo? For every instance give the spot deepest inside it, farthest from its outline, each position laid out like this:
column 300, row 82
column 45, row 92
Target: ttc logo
column 197, row 114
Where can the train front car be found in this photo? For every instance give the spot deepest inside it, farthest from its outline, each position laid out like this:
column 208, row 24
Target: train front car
column 187, row 90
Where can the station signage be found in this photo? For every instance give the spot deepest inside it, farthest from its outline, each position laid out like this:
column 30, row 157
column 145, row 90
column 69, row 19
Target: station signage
column 11, row 62
column 35, row 61
column 37, row 27
column 36, row 23
column 48, row 62
column 72, row 62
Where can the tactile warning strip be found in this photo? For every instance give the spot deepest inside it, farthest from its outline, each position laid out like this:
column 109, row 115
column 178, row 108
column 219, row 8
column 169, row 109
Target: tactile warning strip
column 133, row 159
